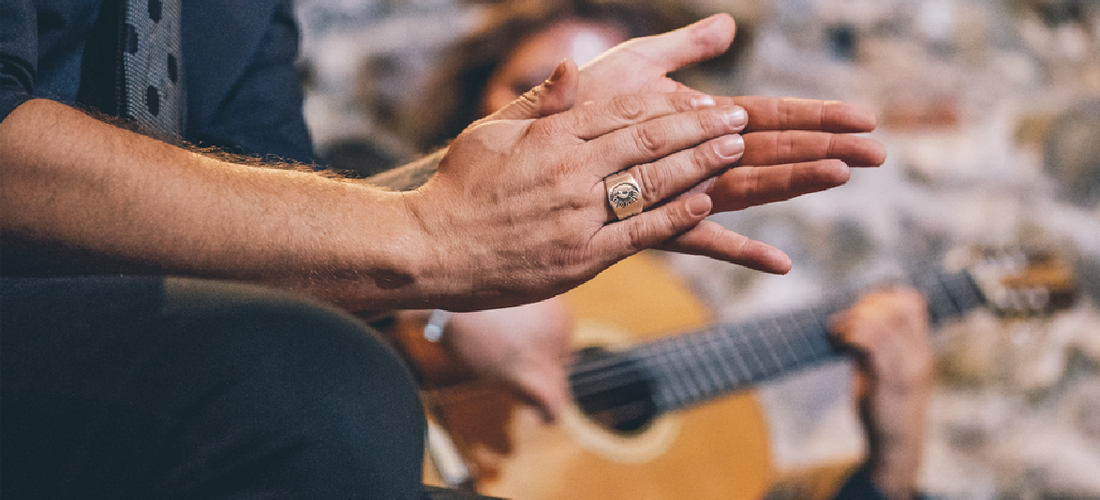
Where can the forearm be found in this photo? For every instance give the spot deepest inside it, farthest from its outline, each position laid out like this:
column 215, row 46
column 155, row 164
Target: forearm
column 69, row 180
column 894, row 457
column 410, row 176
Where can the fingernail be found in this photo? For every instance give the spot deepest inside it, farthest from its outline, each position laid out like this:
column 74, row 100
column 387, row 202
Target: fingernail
column 736, row 117
column 730, row 147
column 699, row 205
column 705, row 101
column 560, row 70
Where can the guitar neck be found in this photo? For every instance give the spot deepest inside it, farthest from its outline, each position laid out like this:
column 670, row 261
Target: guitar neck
column 686, row 369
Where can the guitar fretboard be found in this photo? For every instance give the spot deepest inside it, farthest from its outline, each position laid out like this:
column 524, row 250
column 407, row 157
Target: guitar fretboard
column 686, row 369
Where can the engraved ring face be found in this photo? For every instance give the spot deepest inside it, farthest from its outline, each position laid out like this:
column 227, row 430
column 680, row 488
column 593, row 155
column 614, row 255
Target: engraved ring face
column 624, row 195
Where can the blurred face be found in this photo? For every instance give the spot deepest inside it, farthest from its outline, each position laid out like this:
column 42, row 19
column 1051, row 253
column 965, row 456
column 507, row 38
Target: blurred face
column 534, row 59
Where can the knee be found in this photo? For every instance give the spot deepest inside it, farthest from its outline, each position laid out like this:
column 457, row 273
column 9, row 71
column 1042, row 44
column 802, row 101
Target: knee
column 297, row 375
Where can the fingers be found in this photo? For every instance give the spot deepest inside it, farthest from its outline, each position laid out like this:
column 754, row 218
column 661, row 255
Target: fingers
column 712, row 240
column 886, row 324
column 686, row 46
column 786, row 113
column 679, row 172
column 549, row 393
column 749, row 186
column 679, row 226
column 657, row 138
column 795, row 146
column 556, row 94
column 650, row 228
column 593, row 120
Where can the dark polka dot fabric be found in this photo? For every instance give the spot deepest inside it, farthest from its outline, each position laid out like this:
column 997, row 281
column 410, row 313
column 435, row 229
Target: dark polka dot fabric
column 150, row 66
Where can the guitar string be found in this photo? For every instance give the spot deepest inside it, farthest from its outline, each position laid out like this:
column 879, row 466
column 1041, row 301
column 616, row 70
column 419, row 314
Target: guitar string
column 708, row 365
column 688, row 383
column 682, row 376
column 593, row 375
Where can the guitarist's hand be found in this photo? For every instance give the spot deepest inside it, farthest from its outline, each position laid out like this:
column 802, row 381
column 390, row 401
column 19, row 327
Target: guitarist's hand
column 889, row 333
column 792, row 146
column 524, row 348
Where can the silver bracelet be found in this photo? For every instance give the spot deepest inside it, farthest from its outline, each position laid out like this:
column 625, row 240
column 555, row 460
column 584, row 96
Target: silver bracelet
column 433, row 331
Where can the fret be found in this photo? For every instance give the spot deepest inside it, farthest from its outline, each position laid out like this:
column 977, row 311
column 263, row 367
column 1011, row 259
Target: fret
column 691, row 368
column 647, row 354
column 728, row 358
column 800, row 341
column 692, row 372
column 749, row 355
column 791, row 338
column 819, row 331
column 728, row 338
column 782, row 334
column 712, row 364
column 802, row 326
column 680, row 386
column 769, row 341
column 713, row 346
column 678, row 389
column 684, row 386
column 745, row 352
column 763, row 357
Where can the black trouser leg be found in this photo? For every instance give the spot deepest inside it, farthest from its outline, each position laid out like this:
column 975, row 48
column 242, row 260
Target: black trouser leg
column 153, row 388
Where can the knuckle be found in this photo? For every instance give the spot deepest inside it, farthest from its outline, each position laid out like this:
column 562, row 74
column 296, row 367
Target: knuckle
column 650, row 138
column 705, row 158
column 832, row 149
column 650, row 179
column 550, row 127
column 636, row 234
column 629, row 107
column 686, row 101
column 785, row 113
column 785, row 145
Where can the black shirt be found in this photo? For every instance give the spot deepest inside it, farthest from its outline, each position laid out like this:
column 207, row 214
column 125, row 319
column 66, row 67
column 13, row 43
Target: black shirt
column 238, row 66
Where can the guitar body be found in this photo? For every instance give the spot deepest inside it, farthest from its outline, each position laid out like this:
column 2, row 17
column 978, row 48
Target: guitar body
column 718, row 446
column 716, row 450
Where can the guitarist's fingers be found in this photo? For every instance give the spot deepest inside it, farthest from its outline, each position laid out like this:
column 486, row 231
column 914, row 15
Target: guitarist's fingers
column 712, row 240
column 547, row 392
column 888, row 331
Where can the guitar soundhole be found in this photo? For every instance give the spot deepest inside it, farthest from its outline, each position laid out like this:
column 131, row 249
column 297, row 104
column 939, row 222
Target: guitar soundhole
column 615, row 393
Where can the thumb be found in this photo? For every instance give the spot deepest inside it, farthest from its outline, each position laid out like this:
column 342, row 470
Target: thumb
column 556, row 94
column 689, row 45
column 548, row 392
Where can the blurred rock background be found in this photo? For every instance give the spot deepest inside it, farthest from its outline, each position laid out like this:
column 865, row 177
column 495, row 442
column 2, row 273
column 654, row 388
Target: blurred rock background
column 990, row 111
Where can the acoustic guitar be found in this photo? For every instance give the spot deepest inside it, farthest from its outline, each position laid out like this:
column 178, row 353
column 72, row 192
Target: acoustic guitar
column 638, row 429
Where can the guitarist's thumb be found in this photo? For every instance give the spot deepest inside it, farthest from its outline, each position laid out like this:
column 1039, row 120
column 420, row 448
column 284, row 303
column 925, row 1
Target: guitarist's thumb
column 526, row 349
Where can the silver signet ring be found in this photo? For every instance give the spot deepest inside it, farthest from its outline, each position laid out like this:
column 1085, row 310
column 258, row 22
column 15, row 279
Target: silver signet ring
column 623, row 194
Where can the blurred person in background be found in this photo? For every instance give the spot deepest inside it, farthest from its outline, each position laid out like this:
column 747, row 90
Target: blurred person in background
column 887, row 331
